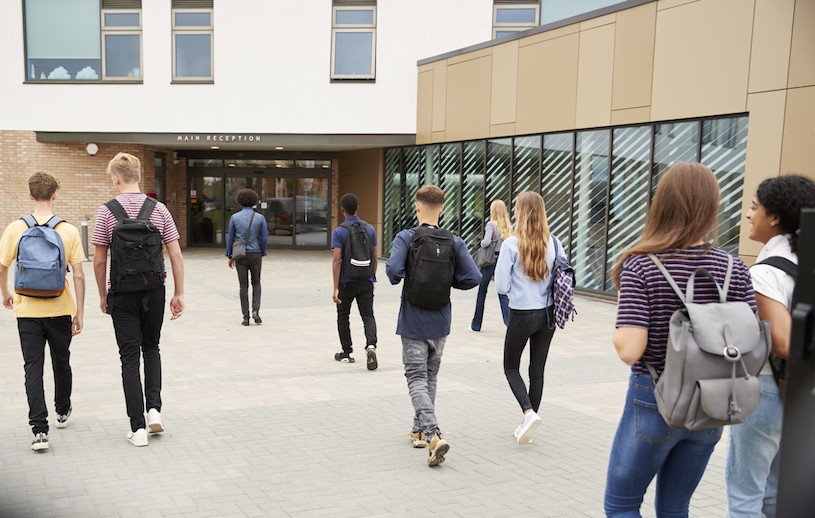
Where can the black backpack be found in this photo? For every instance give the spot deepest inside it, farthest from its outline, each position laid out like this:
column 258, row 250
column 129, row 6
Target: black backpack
column 778, row 364
column 358, row 252
column 136, row 259
column 431, row 264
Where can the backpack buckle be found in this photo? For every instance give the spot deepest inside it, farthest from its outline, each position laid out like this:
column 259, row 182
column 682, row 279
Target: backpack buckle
column 731, row 353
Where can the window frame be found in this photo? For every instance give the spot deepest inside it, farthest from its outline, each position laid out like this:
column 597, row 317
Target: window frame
column 183, row 30
column 118, row 30
column 352, row 28
column 514, row 26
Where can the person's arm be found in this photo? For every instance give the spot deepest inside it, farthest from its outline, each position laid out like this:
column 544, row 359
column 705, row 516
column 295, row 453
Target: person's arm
column 8, row 298
column 373, row 243
column 489, row 233
column 395, row 266
column 263, row 238
column 177, row 264
column 467, row 274
column 8, row 251
column 336, row 265
column 630, row 343
column 230, row 237
column 630, row 336
column 100, row 271
column 79, row 289
column 780, row 323
column 503, row 270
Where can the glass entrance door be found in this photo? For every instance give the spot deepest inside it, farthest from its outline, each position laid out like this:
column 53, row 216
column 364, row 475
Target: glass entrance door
column 206, row 204
column 311, row 223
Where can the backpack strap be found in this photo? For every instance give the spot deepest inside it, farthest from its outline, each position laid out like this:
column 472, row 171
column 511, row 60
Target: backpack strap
column 54, row 221
column 668, row 277
column 783, row 264
column 249, row 228
column 117, row 210
column 30, row 220
column 727, row 276
column 147, row 209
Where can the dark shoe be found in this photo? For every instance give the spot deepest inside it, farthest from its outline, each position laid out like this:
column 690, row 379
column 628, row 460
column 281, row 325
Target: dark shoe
column 436, row 450
column 257, row 318
column 344, row 357
column 371, row 351
column 40, row 442
column 245, row 321
column 62, row 419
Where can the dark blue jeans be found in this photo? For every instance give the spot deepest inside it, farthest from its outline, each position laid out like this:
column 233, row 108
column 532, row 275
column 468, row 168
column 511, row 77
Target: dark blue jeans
column 486, row 276
column 645, row 447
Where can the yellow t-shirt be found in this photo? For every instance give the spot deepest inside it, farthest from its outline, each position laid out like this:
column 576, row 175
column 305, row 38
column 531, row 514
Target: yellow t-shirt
column 32, row 307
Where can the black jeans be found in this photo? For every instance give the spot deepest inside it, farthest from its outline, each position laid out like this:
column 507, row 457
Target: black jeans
column 531, row 325
column 250, row 264
column 363, row 292
column 137, row 320
column 34, row 332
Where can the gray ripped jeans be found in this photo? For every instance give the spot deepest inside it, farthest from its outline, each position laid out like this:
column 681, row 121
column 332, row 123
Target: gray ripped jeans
column 422, row 359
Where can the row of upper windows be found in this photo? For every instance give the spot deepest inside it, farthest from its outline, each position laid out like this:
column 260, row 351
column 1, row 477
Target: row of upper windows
column 513, row 16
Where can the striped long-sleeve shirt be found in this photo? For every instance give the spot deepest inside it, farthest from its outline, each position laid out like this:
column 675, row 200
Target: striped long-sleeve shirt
column 648, row 301
column 132, row 202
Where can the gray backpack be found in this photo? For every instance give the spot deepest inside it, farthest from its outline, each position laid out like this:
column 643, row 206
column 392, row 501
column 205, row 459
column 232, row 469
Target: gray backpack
column 715, row 351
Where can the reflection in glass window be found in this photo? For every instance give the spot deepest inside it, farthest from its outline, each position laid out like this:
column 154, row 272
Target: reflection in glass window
column 193, row 56
column 353, row 41
column 511, row 17
column 674, row 143
column 499, row 172
column 450, row 172
column 558, row 150
column 123, row 56
column 393, row 198
column 413, row 179
column 193, row 19
column 193, row 29
column 527, row 160
column 473, row 217
column 589, row 208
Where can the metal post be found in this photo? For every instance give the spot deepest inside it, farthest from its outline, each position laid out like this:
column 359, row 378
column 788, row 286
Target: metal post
column 83, row 221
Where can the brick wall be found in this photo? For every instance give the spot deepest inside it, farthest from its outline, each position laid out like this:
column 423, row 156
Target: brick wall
column 84, row 182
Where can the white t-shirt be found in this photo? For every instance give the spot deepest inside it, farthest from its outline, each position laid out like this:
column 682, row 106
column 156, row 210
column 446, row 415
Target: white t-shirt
column 772, row 282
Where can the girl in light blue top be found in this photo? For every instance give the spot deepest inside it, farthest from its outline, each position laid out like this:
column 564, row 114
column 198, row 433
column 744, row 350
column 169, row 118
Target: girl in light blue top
column 523, row 272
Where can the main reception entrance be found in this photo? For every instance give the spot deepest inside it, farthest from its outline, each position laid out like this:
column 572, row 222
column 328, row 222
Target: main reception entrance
column 294, row 201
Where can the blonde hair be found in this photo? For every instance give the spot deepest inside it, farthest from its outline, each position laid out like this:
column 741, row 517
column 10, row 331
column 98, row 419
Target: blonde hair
column 683, row 212
column 125, row 166
column 499, row 216
column 532, row 232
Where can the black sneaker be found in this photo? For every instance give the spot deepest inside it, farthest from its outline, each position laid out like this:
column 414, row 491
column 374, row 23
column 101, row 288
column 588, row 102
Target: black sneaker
column 257, row 318
column 62, row 419
column 344, row 357
column 245, row 321
column 372, row 364
column 40, row 442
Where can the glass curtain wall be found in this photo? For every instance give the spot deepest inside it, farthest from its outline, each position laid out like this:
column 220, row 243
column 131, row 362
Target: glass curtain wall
column 596, row 184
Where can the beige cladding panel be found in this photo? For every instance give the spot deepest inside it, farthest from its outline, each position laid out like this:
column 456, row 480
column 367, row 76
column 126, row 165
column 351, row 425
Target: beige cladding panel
column 764, row 136
column 770, row 56
column 468, row 99
column 547, row 85
column 439, row 94
column 634, row 57
column 802, row 58
column 424, row 107
column 701, row 59
column 504, row 95
column 631, row 116
column 594, row 77
column 798, row 151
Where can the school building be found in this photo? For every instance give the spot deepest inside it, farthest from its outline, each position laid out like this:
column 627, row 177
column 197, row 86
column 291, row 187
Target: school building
column 587, row 101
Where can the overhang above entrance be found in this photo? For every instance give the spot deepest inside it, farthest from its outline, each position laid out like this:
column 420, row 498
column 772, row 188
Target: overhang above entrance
column 239, row 141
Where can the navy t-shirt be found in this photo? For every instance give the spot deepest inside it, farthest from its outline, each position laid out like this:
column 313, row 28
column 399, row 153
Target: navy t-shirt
column 339, row 237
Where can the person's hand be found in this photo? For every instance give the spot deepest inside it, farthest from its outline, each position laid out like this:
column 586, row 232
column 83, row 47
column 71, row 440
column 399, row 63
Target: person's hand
column 336, row 297
column 76, row 325
column 177, row 306
column 230, row 262
column 8, row 301
column 103, row 304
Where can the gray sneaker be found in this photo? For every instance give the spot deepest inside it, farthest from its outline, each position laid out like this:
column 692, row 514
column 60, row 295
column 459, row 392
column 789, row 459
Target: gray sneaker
column 40, row 442
column 371, row 353
column 62, row 419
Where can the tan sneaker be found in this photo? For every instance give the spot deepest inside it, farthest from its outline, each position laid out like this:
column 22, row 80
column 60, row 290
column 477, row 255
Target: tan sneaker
column 438, row 448
column 418, row 438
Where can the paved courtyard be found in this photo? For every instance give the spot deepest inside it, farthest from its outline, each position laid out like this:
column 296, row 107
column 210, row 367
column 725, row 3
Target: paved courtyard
column 261, row 421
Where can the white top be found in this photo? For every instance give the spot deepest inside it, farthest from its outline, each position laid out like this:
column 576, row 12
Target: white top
column 772, row 282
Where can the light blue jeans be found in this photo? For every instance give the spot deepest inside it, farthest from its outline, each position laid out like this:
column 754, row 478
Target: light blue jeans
column 645, row 447
column 422, row 360
column 752, row 460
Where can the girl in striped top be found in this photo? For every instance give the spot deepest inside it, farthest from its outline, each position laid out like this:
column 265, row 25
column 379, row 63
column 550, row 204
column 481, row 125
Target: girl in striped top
column 680, row 219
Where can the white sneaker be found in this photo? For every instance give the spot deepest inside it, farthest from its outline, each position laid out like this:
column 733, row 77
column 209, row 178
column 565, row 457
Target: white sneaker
column 517, row 432
column 154, row 423
column 138, row 438
column 527, row 429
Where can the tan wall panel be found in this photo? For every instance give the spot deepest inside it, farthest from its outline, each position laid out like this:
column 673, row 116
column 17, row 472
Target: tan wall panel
column 502, row 130
column 706, row 73
column 360, row 173
column 764, row 136
column 504, row 94
column 424, row 107
column 468, row 99
column 634, row 57
column 631, row 116
column 550, row 35
column 802, row 58
column 470, row 56
column 547, row 85
column 438, row 136
column 597, row 22
column 667, row 4
column 770, row 56
column 595, row 74
column 798, row 151
column 439, row 95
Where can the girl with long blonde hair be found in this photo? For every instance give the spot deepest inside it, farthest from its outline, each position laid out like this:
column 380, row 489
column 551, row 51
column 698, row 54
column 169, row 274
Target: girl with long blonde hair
column 498, row 228
column 523, row 273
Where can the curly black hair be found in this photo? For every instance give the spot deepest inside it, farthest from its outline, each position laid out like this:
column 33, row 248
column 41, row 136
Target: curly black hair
column 246, row 198
column 350, row 203
column 784, row 196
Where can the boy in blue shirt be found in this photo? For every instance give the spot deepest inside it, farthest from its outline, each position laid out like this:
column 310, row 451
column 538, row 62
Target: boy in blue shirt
column 424, row 331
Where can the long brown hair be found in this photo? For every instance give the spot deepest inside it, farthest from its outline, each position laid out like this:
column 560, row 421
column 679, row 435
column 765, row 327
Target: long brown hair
column 682, row 213
column 533, row 234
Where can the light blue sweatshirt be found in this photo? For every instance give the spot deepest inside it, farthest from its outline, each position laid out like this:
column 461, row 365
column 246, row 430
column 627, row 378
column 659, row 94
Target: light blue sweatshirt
column 523, row 292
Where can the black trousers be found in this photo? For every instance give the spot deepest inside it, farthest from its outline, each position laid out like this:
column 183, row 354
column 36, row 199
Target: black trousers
column 34, row 333
column 137, row 320
column 528, row 325
column 363, row 292
column 250, row 264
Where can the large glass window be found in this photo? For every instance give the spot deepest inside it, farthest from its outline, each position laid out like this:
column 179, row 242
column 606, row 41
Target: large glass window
column 193, row 29
column 450, row 172
column 499, row 172
column 393, row 198
column 509, row 17
column 558, row 160
column 472, row 193
column 591, row 178
column 353, row 40
column 526, row 168
column 83, row 40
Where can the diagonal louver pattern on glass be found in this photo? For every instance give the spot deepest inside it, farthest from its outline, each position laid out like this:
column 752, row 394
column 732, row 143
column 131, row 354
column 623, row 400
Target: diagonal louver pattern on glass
column 596, row 184
column 724, row 151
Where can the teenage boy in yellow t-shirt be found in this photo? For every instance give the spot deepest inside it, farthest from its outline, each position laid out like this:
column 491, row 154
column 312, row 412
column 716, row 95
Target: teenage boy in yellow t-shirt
column 40, row 320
